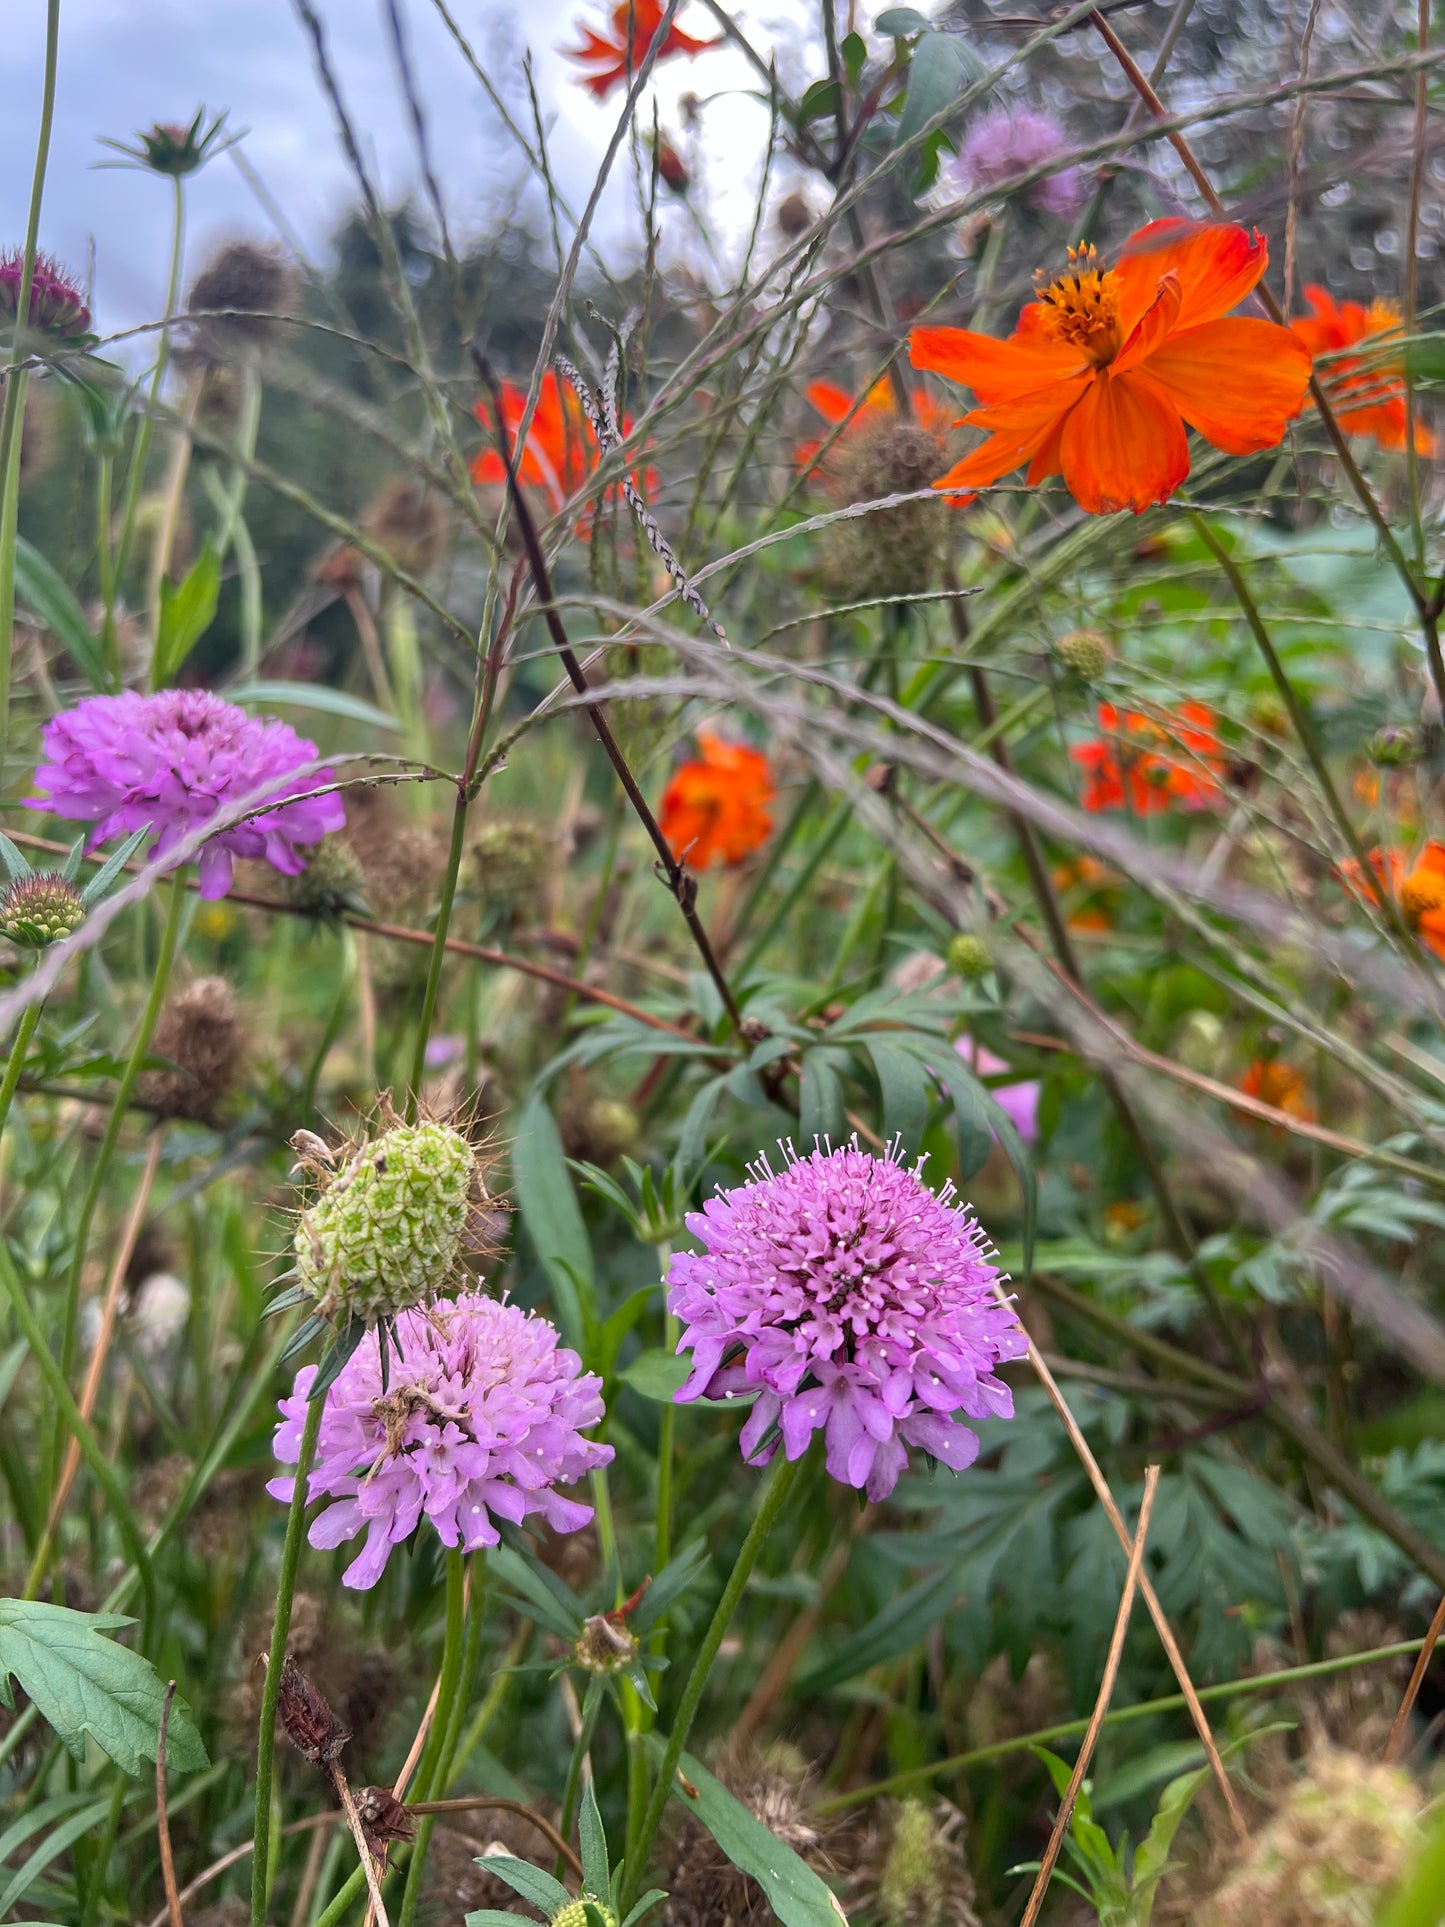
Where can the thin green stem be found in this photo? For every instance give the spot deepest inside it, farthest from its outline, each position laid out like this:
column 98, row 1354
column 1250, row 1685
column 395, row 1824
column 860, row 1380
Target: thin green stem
column 775, row 1495
column 170, row 938
column 12, row 412
column 270, row 1694
column 572, row 1787
column 439, row 949
column 431, row 1771
column 135, row 478
column 95, row 1886
column 15, row 1062
column 1118, row 1716
column 71, row 1420
column 105, row 561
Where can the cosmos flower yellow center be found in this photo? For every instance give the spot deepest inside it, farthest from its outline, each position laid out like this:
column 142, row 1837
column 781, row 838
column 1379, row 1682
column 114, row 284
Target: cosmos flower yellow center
column 1381, row 317
column 1082, row 306
column 1422, row 893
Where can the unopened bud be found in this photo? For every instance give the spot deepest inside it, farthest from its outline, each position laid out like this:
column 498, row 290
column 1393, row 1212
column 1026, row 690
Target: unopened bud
column 969, row 957
column 40, row 910
column 1086, row 652
column 1393, row 748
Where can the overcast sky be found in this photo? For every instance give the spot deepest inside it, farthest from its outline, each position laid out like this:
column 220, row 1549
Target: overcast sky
column 127, row 63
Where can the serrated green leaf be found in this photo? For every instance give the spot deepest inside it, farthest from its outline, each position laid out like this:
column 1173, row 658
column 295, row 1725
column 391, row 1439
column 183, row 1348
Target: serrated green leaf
column 549, row 1209
column 85, row 1684
column 657, row 1374
column 188, row 608
column 798, row 1896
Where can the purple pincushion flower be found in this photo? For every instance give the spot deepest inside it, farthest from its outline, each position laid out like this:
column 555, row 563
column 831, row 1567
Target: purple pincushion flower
column 1008, row 142
column 169, row 762
column 850, row 1298
column 482, row 1415
column 57, row 306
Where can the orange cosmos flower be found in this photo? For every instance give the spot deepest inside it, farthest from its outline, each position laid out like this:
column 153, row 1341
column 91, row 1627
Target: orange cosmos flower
column 1418, row 888
column 1280, row 1084
column 615, row 61
column 1108, row 364
column 1369, row 390
column 715, row 809
column 561, row 450
column 1096, row 889
column 1138, row 761
column 880, row 404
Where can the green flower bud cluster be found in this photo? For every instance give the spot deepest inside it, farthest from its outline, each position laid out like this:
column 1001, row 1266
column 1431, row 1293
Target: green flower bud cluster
column 1086, row 652
column 583, row 1912
column 969, row 957
column 39, row 910
column 387, row 1231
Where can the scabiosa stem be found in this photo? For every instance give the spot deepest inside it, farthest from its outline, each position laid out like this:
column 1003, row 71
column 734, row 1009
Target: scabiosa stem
column 441, row 1741
column 280, row 1629
column 780, row 1483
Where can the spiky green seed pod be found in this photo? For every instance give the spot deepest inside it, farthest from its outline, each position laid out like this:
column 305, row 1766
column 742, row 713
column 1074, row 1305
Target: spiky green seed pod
column 39, row 910
column 1086, row 652
column 331, row 883
column 969, row 957
column 575, row 1913
column 387, row 1231
column 511, row 860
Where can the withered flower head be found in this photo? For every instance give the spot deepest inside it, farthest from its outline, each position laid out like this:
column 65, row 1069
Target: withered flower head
column 256, row 280
column 892, row 552
column 408, row 520
column 203, row 1034
column 310, row 1725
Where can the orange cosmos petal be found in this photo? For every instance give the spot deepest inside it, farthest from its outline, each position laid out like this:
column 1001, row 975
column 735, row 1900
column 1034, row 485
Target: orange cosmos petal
column 996, row 371
column 1217, row 265
column 1123, row 446
column 831, row 402
column 1151, row 329
column 1239, row 382
column 1017, row 435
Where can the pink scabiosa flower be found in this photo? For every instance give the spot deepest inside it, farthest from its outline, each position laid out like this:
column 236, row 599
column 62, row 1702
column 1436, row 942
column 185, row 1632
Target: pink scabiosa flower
column 480, row 1416
column 851, row 1299
column 57, row 306
column 169, row 762
column 1008, row 142
column 1019, row 1100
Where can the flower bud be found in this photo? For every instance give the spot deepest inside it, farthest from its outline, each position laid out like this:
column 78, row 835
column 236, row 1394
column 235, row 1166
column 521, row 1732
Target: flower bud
column 969, row 957
column 1086, row 652
column 56, row 308
column 578, row 1913
column 388, row 1229
column 604, row 1644
column 1393, row 748
column 41, row 909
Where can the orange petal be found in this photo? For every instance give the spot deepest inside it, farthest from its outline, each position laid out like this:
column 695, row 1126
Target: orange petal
column 1152, row 327
column 1217, row 265
column 1123, row 446
column 1239, row 382
column 996, row 371
column 1016, row 436
column 831, row 402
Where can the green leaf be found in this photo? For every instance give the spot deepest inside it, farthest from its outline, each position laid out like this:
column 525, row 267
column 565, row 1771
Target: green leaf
column 550, row 1211
column 1420, row 1899
column 311, row 695
column 824, row 97
column 112, row 867
column 900, row 1626
column 548, row 1599
column 81, row 1811
column 84, row 1683
column 821, row 1112
column 496, row 1916
column 899, row 21
column 1424, row 358
column 649, row 1900
column 903, row 1083
column 942, row 68
column 656, row 1374
column 42, row 590
column 795, row 1893
column 530, row 1882
column 669, row 1585
column 13, row 859
column 854, row 49
column 596, row 1874
column 188, row 608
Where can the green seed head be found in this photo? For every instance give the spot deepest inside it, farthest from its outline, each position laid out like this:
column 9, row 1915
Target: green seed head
column 1086, row 652
column 41, row 909
column 924, row 1881
column 604, row 1645
column 969, row 957
column 331, row 883
column 511, row 860
column 575, row 1913
column 387, row 1231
